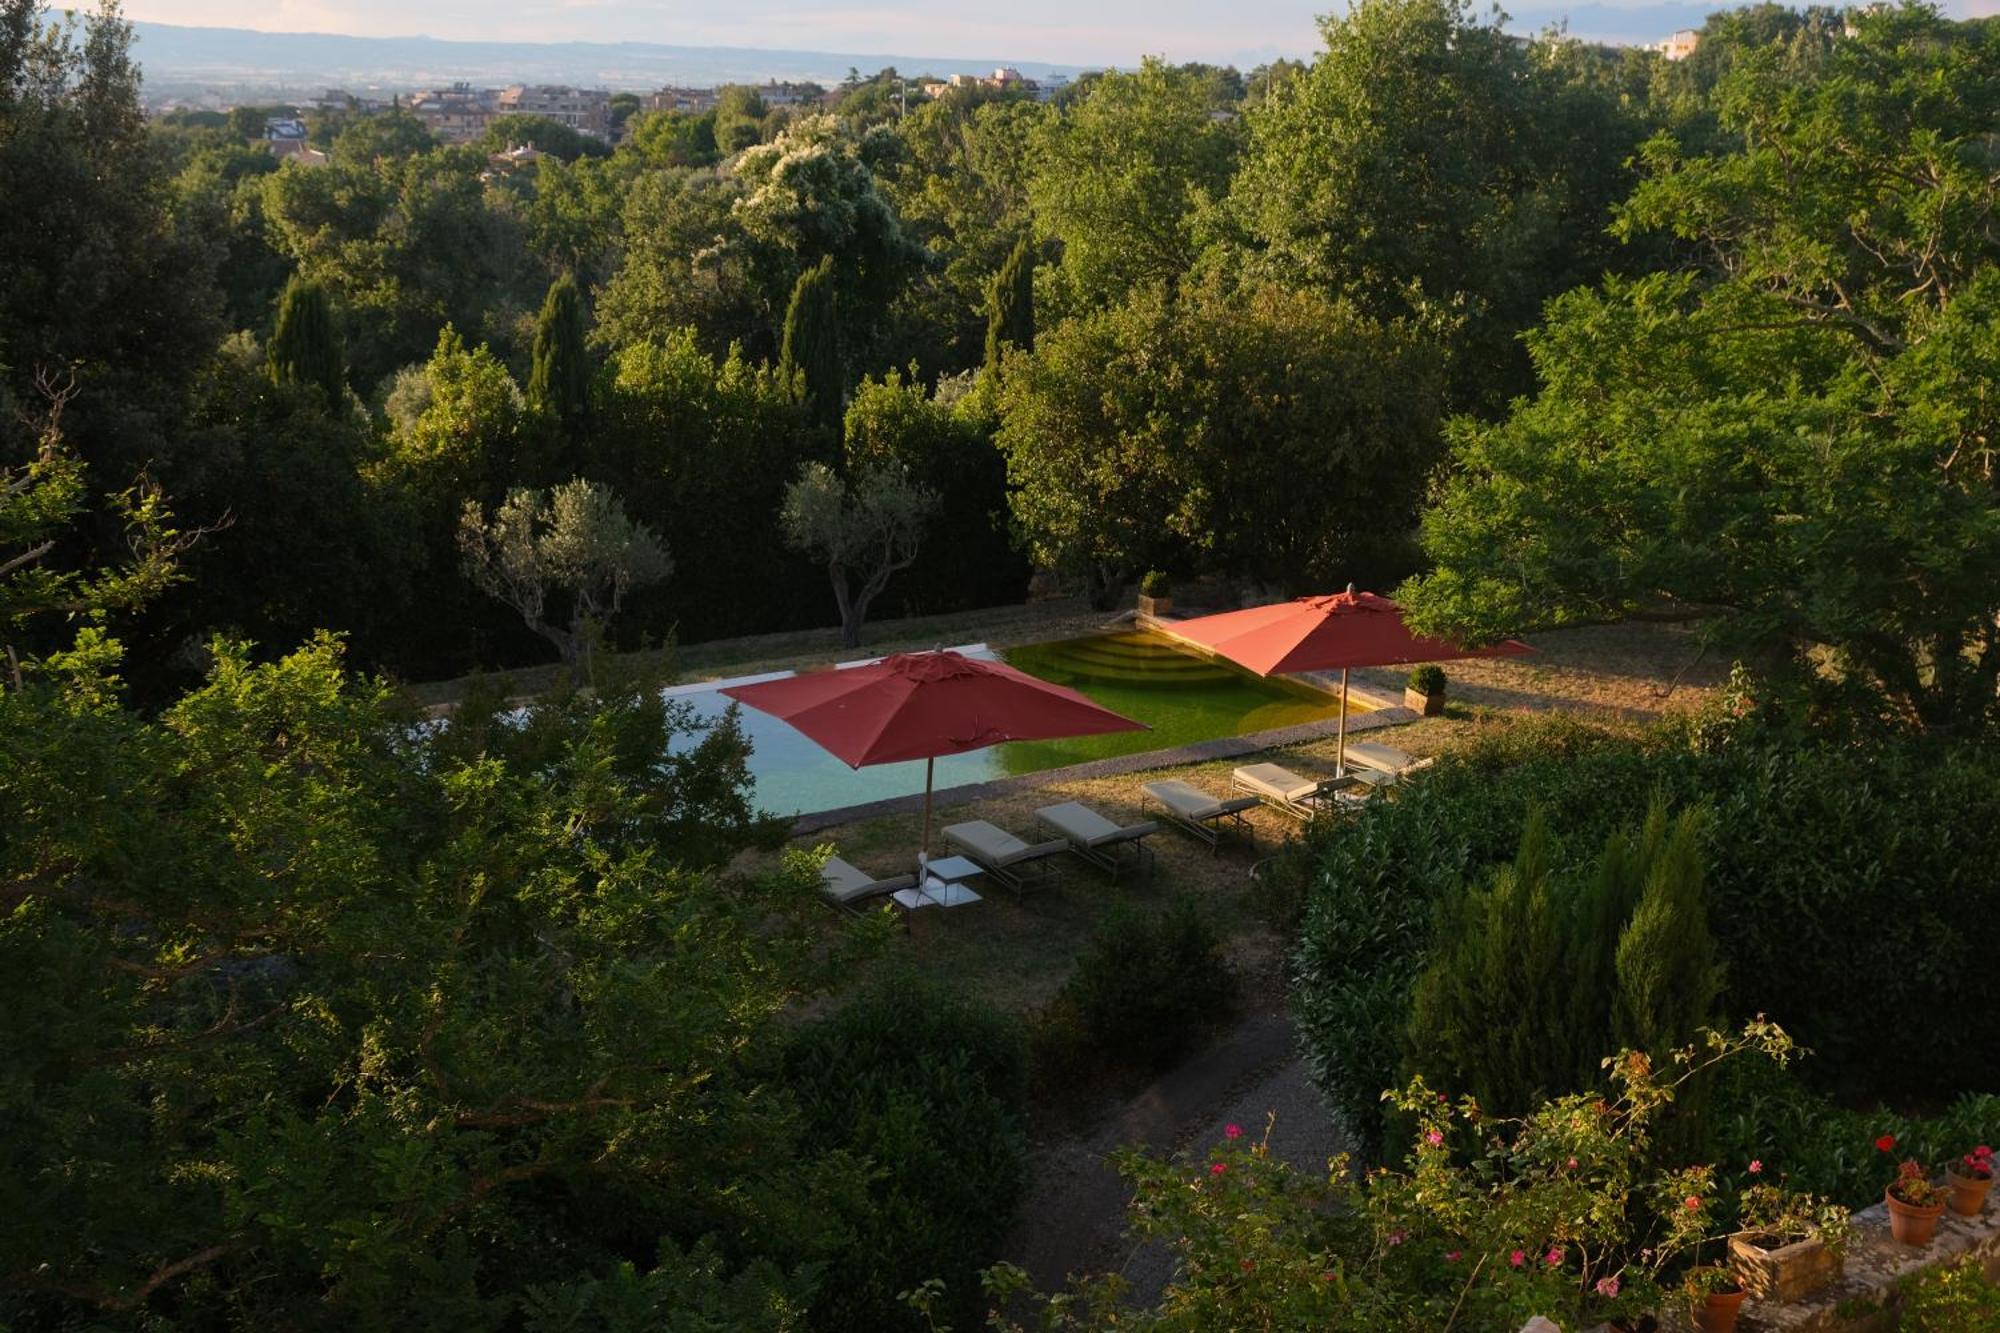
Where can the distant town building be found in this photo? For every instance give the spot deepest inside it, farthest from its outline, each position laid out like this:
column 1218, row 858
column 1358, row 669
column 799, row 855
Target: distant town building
column 1679, row 46
column 694, row 101
column 456, row 114
column 775, row 93
column 1006, row 79
column 339, row 99
column 585, row 110
column 515, row 157
column 284, row 129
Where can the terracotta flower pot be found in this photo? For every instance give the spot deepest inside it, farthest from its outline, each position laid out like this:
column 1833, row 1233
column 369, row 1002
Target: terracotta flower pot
column 1910, row 1223
column 1718, row 1310
column 1968, row 1193
column 1430, row 705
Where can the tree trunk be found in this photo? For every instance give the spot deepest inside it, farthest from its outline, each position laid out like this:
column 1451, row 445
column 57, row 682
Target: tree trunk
column 1100, row 586
column 851, row 612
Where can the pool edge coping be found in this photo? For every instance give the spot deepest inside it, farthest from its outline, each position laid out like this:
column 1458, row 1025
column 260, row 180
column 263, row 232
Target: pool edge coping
column 1222, row 747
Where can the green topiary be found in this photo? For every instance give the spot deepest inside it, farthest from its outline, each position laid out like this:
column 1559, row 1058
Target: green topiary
column 1148, row 985
column 1428, row 679
column 1154, row 584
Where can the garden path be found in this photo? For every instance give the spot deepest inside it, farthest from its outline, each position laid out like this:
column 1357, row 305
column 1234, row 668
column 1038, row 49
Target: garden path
column 1074, row 1217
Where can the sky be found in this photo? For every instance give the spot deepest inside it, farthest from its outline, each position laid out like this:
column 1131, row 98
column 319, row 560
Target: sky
column 1103, row 32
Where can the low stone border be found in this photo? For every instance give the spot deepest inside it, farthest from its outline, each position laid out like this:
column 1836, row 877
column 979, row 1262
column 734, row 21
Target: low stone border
column 1868, row 1299
column 1226, row 747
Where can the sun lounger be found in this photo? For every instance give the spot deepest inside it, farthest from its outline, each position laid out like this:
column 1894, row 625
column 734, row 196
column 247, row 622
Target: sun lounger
column 1199, row 812
column 1014, row 863
column 845, row 885
column 1109, row 846
column 1282, row 789
column 1384, row 759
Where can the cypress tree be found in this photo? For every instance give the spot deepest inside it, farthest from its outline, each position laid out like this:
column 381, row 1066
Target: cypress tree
column 812, row 344
column 559, row 384
column 1669, row 974
column 1010, row 304
column 305, row 349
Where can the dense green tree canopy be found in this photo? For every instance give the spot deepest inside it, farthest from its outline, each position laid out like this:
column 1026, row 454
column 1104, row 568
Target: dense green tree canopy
column 1793, row 437
column 1270, row 433
column 1428, row 159
column 1124, row 177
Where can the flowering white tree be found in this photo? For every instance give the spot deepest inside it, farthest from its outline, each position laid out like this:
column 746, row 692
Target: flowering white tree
column 575, row 542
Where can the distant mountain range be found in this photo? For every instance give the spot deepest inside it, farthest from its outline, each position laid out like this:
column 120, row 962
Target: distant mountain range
column 180, row 60
column 183, row 61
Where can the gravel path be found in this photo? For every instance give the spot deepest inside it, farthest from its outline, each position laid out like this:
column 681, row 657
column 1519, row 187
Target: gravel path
column 1074, row 1218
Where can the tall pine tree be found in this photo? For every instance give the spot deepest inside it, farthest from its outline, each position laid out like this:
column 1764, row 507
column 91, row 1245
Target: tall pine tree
column 305, row 349
column 559, row 384
column 1010, row 304
column 812, row 345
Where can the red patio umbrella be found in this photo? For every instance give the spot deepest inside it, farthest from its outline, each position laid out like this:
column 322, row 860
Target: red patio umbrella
column 1345, row 630
column 922, row 705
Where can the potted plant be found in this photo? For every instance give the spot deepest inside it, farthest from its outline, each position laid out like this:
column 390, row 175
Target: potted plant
column 1715, row 1298
column 1425, row 692
column 1915, row 1204
column 1970, row 1178
column 1790, row 1246
column 1155, row 597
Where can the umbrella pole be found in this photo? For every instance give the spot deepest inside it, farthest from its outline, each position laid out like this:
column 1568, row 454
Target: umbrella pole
column 1340, row 766
column 924, row 857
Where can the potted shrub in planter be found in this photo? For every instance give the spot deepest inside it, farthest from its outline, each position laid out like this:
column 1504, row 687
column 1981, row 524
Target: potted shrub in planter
column 1425, row 692
column 1970, row 1178
column 1155, row 594
column 1915, row 1204
column 1791, row 1245
column 1715, row 1298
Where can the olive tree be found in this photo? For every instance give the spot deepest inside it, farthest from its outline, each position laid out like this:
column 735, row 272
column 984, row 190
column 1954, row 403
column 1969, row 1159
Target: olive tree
column 864, row 528
column 575, row 543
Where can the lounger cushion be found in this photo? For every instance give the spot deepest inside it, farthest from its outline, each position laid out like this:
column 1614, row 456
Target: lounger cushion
column 1374, row 754
column 995, row 846
column 1278, row 782
column 1191, row 802
column 844, row 882
column 1087, row 828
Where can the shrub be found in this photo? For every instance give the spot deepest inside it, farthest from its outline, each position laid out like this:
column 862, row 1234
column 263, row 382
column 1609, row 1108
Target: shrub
column 1427, row 679
column 1802, row 1136
column 929, row 1087
column 1154, row 584
column 1533, row 975
column 1827, row 866
column 1958, row 1299
column 1148, row 984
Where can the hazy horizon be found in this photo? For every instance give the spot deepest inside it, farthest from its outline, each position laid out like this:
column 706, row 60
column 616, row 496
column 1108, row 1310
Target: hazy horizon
column 1109, row 32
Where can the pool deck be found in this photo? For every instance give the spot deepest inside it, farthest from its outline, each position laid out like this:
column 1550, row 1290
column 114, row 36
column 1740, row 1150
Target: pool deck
column 1224, row 747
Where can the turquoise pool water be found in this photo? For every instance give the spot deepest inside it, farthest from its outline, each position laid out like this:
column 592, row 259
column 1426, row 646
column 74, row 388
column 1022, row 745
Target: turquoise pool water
column 1183, row 697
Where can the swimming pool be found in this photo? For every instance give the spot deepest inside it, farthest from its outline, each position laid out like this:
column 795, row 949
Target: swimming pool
column 1183, row 697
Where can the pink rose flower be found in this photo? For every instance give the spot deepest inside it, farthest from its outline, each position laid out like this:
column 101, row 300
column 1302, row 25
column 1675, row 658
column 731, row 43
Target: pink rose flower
column 1607, row 1287
column 1451, row 1256
column 1434, row 1138
column 1554, row 1257
column 1756, row 1166
column 1232, row 1131
column 1517, row 1258
column 1218, row 1168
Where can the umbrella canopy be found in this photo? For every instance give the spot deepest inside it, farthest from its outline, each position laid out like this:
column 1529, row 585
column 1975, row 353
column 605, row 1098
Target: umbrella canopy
column 1344, row 629
column 922, row 705
column 1335, row 632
